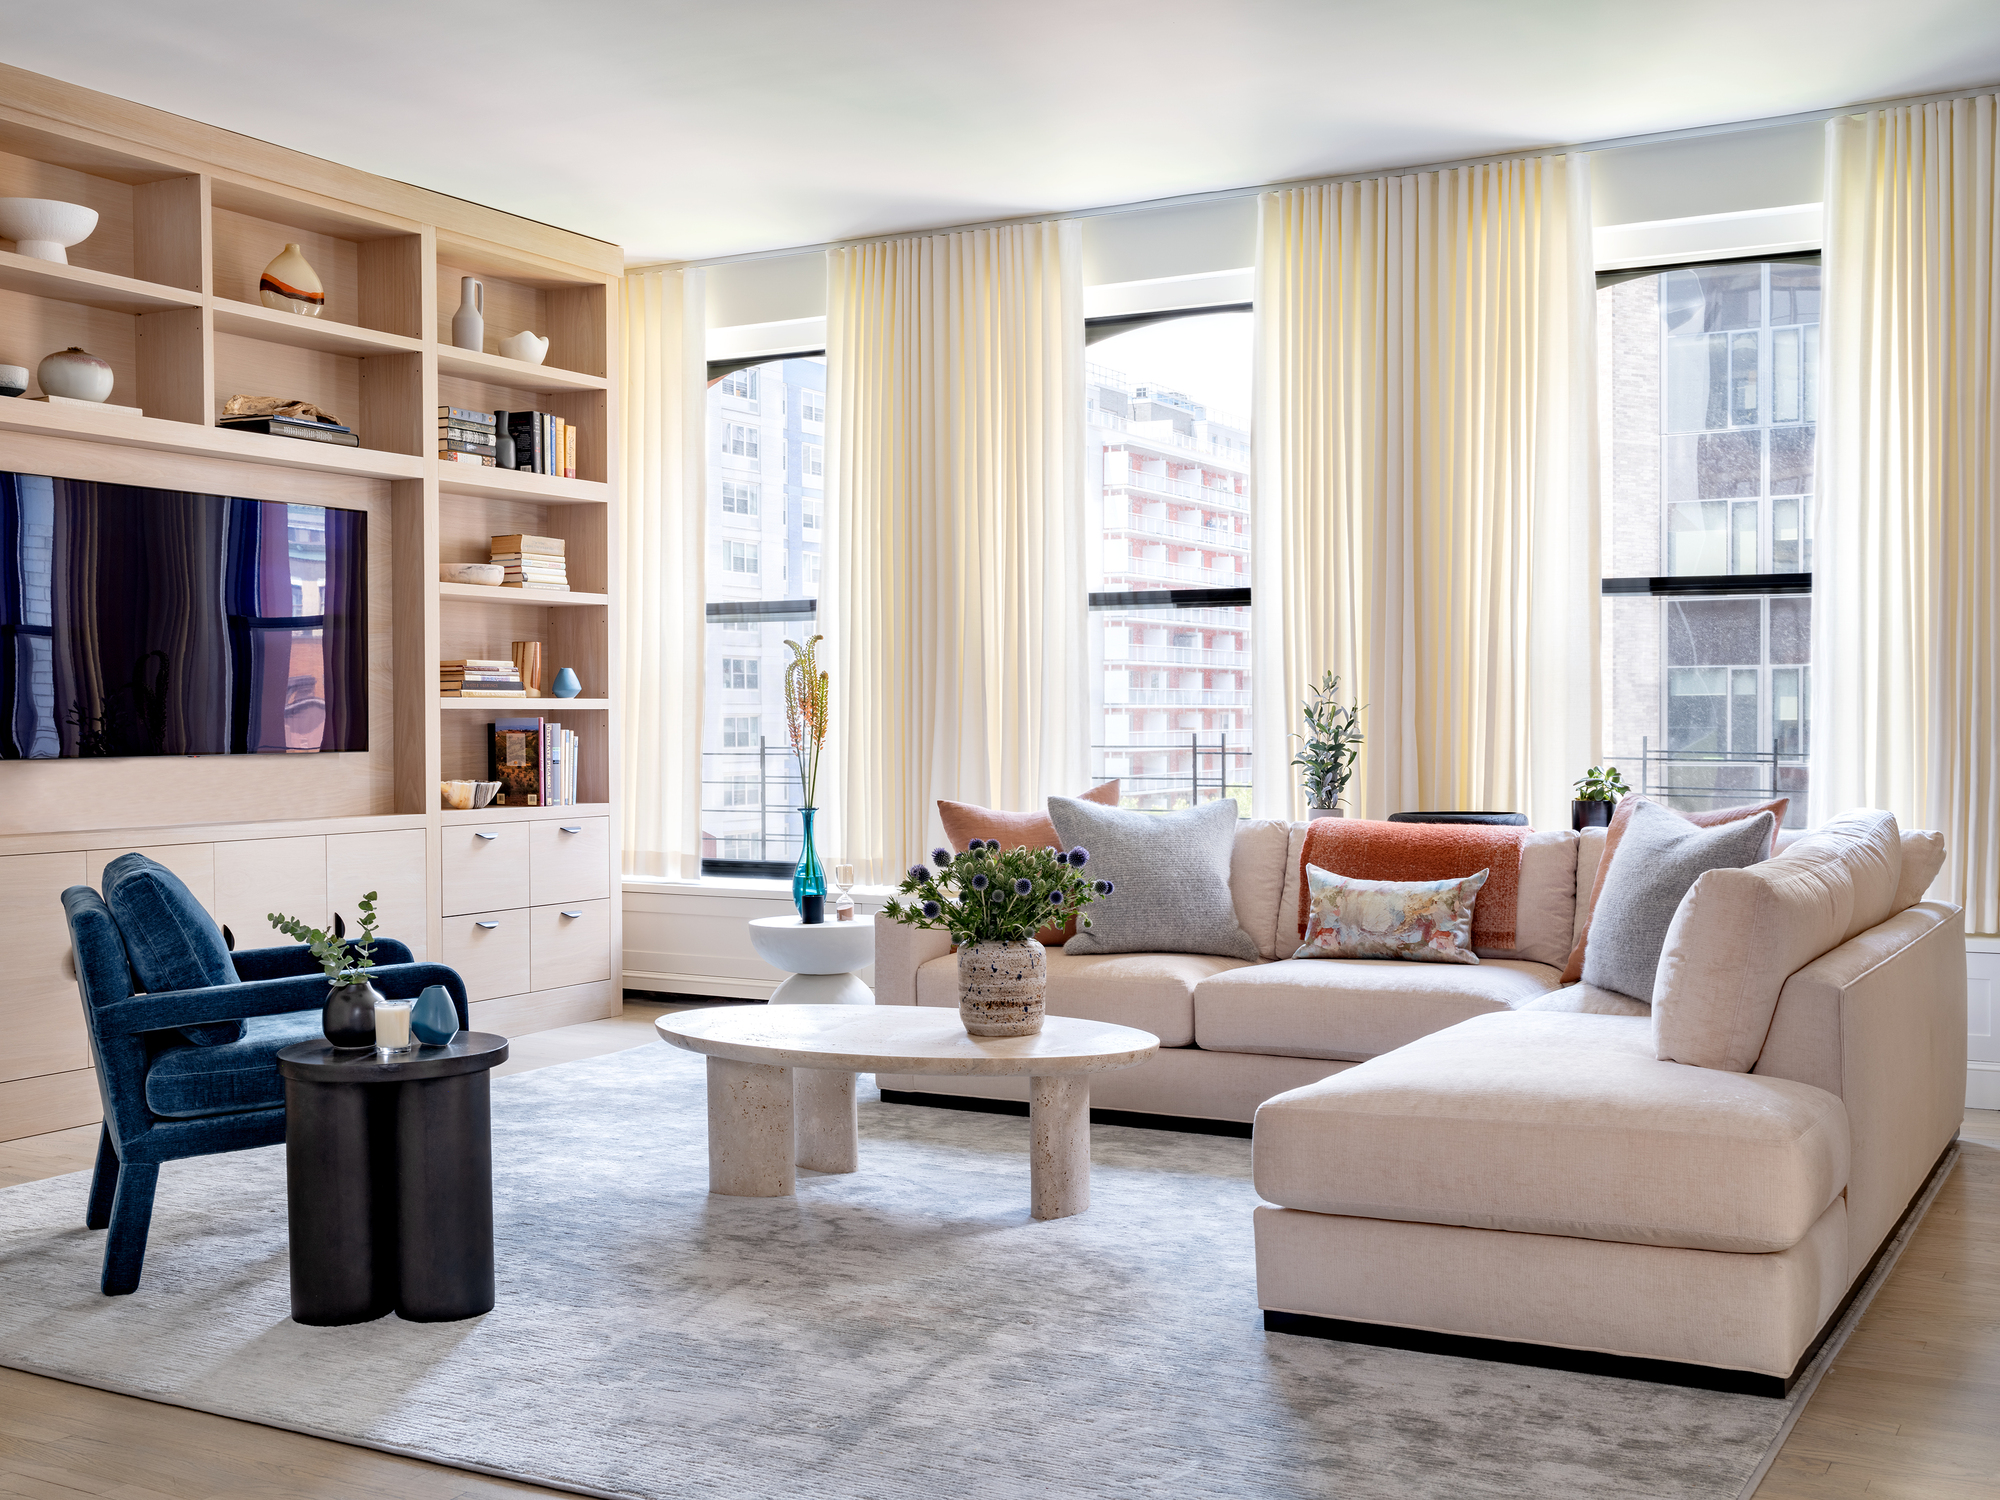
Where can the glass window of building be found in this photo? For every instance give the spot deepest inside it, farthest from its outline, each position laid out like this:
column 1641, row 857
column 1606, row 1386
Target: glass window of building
column 763, row 531
column 1168, row 489
column 1710, row 388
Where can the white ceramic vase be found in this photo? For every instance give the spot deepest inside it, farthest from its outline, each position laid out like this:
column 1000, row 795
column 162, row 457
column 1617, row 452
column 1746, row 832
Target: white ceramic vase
column 468, row 324
column 45, row 228
column 526, row 347
column 1001, row 987
column 289, row 284
column 76, row 376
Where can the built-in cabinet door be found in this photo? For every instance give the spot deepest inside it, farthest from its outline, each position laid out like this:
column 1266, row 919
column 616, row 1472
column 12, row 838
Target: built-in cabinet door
column 392, row 866
column 572, row 861
column 255, row 877
column 193, row 863
column 572, row 944
column 490, row 951
column 485, row 867
column 41, row 1016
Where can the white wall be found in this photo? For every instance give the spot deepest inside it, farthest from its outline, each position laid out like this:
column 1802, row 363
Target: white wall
column 1747, row 192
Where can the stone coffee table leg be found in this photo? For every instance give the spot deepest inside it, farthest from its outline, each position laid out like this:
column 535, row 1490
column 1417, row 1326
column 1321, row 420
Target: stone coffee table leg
column 750, row 1136
column 829, row 1132
column 1059, row 1152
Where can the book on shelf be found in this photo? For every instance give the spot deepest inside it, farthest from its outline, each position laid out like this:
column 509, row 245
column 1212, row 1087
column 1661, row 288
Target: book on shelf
column 293, row 427
column 480, row 663
column 458, row 445
column 483, row 459
column 543, row 443
column 516, row 541
column 465, row 418
column 482, row 692
column 514, row 759
column 472, row 436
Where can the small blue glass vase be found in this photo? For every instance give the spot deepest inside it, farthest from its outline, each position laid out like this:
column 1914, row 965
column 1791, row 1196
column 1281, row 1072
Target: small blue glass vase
column 434, row 1021
column 809, row 880
column 566, row 685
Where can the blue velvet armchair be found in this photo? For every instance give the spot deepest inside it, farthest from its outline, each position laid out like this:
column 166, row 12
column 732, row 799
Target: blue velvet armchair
column 190, row 1068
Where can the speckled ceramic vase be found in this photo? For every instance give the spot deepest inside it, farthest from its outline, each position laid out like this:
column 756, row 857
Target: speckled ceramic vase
column 1000, row 987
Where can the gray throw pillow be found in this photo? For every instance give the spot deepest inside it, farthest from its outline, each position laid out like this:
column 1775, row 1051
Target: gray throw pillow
column 1170, row 878
column 1657, row 863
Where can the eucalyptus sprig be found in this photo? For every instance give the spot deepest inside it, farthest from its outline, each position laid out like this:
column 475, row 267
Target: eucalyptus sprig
column 1327, row 749
column 989, row 895
column 344, row 960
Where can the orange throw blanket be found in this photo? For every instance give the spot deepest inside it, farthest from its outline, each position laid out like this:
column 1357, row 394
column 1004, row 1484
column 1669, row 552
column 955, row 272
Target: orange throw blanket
column 1363, row 850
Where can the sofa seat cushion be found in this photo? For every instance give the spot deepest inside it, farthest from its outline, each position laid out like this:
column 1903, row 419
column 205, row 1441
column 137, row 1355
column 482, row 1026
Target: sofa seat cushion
column 1353, row 1008
column 1152, row 991
column 1546, row 1123
column 229, row 1077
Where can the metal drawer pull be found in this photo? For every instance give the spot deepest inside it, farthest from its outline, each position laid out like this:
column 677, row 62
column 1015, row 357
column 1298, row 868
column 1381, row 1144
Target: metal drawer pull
column 487, row 925
column 577, row 829
column 486, row 835
column 572, row 913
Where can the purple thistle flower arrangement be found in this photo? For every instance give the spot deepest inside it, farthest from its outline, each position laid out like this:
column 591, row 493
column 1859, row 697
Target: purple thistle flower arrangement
column 991, row 895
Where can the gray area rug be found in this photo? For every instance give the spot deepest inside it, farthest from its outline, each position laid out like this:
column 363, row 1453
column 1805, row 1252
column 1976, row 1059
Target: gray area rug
column 906, row 1330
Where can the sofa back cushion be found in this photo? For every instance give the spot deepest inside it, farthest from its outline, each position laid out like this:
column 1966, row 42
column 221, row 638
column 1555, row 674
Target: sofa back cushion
column 1545, row 908
column 1170, row 873
column 1923, row 857
column 1257, row 880
column 1741, row 933
column 174, row 944
column 966, row 821
column 1659, row 860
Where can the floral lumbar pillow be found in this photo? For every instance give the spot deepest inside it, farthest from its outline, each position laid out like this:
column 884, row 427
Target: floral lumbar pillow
column 1429, row 921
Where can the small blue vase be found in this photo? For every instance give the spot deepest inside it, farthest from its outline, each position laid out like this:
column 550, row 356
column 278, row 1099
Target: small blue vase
column 434, row 1021
column 566, row 685
column 809, row 880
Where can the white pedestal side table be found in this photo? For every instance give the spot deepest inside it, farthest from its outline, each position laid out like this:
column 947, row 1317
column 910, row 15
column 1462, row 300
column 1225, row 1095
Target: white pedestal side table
column 821, row 958
column 754, row 1147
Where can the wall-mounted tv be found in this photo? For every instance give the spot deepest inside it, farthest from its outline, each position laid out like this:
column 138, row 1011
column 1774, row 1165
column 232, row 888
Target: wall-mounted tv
column 138, row 621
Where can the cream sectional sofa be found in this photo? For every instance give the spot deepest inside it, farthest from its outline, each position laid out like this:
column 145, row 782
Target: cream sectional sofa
column 1455, row 1153
column 1234, row 1033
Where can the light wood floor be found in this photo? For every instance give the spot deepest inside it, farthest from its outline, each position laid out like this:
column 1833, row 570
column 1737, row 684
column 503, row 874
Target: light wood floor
column 1910, row 1412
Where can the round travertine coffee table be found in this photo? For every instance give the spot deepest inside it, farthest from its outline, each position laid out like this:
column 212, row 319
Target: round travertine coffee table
column 754, row 1145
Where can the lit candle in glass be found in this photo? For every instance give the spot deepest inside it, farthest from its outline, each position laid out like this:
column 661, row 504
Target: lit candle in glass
column 392, row 1029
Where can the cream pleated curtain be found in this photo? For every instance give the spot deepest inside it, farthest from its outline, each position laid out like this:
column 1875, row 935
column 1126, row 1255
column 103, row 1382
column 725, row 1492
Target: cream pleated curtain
column 1425, row 518
column 954, row 600
column 1906, row 631
column 661, row 538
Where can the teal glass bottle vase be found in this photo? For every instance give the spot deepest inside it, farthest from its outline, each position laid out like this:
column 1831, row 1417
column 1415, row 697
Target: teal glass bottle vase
column 809, row 879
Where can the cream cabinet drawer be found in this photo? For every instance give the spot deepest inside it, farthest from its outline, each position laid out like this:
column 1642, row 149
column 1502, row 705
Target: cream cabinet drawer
column 490, row 951
column 571, row 861
column 572, row 944
column 485, row 867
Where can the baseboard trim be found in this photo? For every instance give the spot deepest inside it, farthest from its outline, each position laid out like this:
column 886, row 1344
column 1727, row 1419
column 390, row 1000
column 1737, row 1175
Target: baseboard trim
column 1240, row 1129
column 1626, row 1366
column 1541, row 1356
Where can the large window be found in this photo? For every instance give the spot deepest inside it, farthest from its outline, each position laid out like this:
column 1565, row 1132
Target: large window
column 1168, row 480
column 1710, row 383
column 764, row 532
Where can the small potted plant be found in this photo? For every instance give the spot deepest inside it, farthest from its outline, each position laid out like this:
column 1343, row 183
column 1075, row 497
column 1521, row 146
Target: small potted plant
column 993, row 902
column 1327, row 750
column 349, row 1016
column 1596, row 790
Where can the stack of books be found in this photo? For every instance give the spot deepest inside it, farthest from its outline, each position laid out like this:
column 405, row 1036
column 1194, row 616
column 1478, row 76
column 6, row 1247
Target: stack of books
column 542, row 444
column 466, row 437
column 291, row 427
column 532, row 562
column 534, row 760
column 475, row 677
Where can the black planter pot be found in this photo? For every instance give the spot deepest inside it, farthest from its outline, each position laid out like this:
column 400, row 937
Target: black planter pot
column 349, row 1017
column 1590, row 814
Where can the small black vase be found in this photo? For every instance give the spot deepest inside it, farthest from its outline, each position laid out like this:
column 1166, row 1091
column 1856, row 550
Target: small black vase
column 1589, row 815
column 349, row 1017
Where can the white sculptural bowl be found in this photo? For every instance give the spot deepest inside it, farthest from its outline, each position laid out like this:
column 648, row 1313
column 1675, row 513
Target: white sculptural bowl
column 526, row 346
column 489, row 574
column 44, row 228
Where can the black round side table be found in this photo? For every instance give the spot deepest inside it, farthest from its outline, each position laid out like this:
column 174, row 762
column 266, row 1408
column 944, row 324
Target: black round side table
column 389, row 1181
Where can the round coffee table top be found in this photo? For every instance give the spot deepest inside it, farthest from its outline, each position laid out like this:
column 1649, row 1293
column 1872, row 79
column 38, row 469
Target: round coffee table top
column 900, row 1039
column 321, row 1062
column 829, row 947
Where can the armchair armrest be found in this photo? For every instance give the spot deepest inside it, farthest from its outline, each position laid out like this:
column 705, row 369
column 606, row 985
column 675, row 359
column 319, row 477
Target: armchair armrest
column 296, row 958
column 267, row 997
column 899, row 952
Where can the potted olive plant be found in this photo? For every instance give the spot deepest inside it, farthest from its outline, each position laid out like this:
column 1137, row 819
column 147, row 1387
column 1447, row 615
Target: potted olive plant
column 1327, row 750
column 348, row 1019
column 1596, row 790
column 993, row 902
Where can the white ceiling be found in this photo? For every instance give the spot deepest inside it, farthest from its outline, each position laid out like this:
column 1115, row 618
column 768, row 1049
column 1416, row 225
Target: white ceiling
column 683, row 130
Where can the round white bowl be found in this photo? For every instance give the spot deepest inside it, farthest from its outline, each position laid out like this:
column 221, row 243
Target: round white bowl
column 489, row 574
column 44, row 228
column 526, row 346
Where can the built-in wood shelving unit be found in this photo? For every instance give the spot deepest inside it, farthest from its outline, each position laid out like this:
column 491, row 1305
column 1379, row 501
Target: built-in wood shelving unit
column 166, row 291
